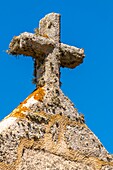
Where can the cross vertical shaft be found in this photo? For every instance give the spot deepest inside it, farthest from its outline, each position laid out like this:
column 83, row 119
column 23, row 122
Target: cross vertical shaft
column 48, row 71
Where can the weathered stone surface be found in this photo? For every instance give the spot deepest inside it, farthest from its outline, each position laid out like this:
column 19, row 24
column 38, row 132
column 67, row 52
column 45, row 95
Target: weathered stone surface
column 28, row 141
column 45, row 131
column 45, row 160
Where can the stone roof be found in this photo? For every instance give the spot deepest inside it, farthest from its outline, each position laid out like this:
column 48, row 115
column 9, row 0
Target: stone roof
column 46, row 131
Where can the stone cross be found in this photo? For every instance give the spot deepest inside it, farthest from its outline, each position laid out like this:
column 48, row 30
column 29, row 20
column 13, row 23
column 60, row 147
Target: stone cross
column 45, row 47
column 49, row 54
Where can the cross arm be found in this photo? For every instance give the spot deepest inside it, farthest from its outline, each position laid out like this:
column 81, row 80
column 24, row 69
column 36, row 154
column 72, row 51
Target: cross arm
column 30, row 44
column 71, row 56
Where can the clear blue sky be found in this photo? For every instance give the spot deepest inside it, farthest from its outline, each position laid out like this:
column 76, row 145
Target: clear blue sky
column 85, row 23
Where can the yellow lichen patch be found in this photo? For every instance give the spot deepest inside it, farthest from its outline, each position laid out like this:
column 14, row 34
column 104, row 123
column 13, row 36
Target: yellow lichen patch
column 19, row 112
column 21, row 109
column 39, row 94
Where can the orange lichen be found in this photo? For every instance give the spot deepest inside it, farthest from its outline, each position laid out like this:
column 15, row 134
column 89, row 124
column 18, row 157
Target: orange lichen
column 39, row 94
column 21, row 109
column 19, row 112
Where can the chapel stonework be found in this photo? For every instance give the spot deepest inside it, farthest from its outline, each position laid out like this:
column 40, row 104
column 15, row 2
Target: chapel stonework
column 45, row 132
